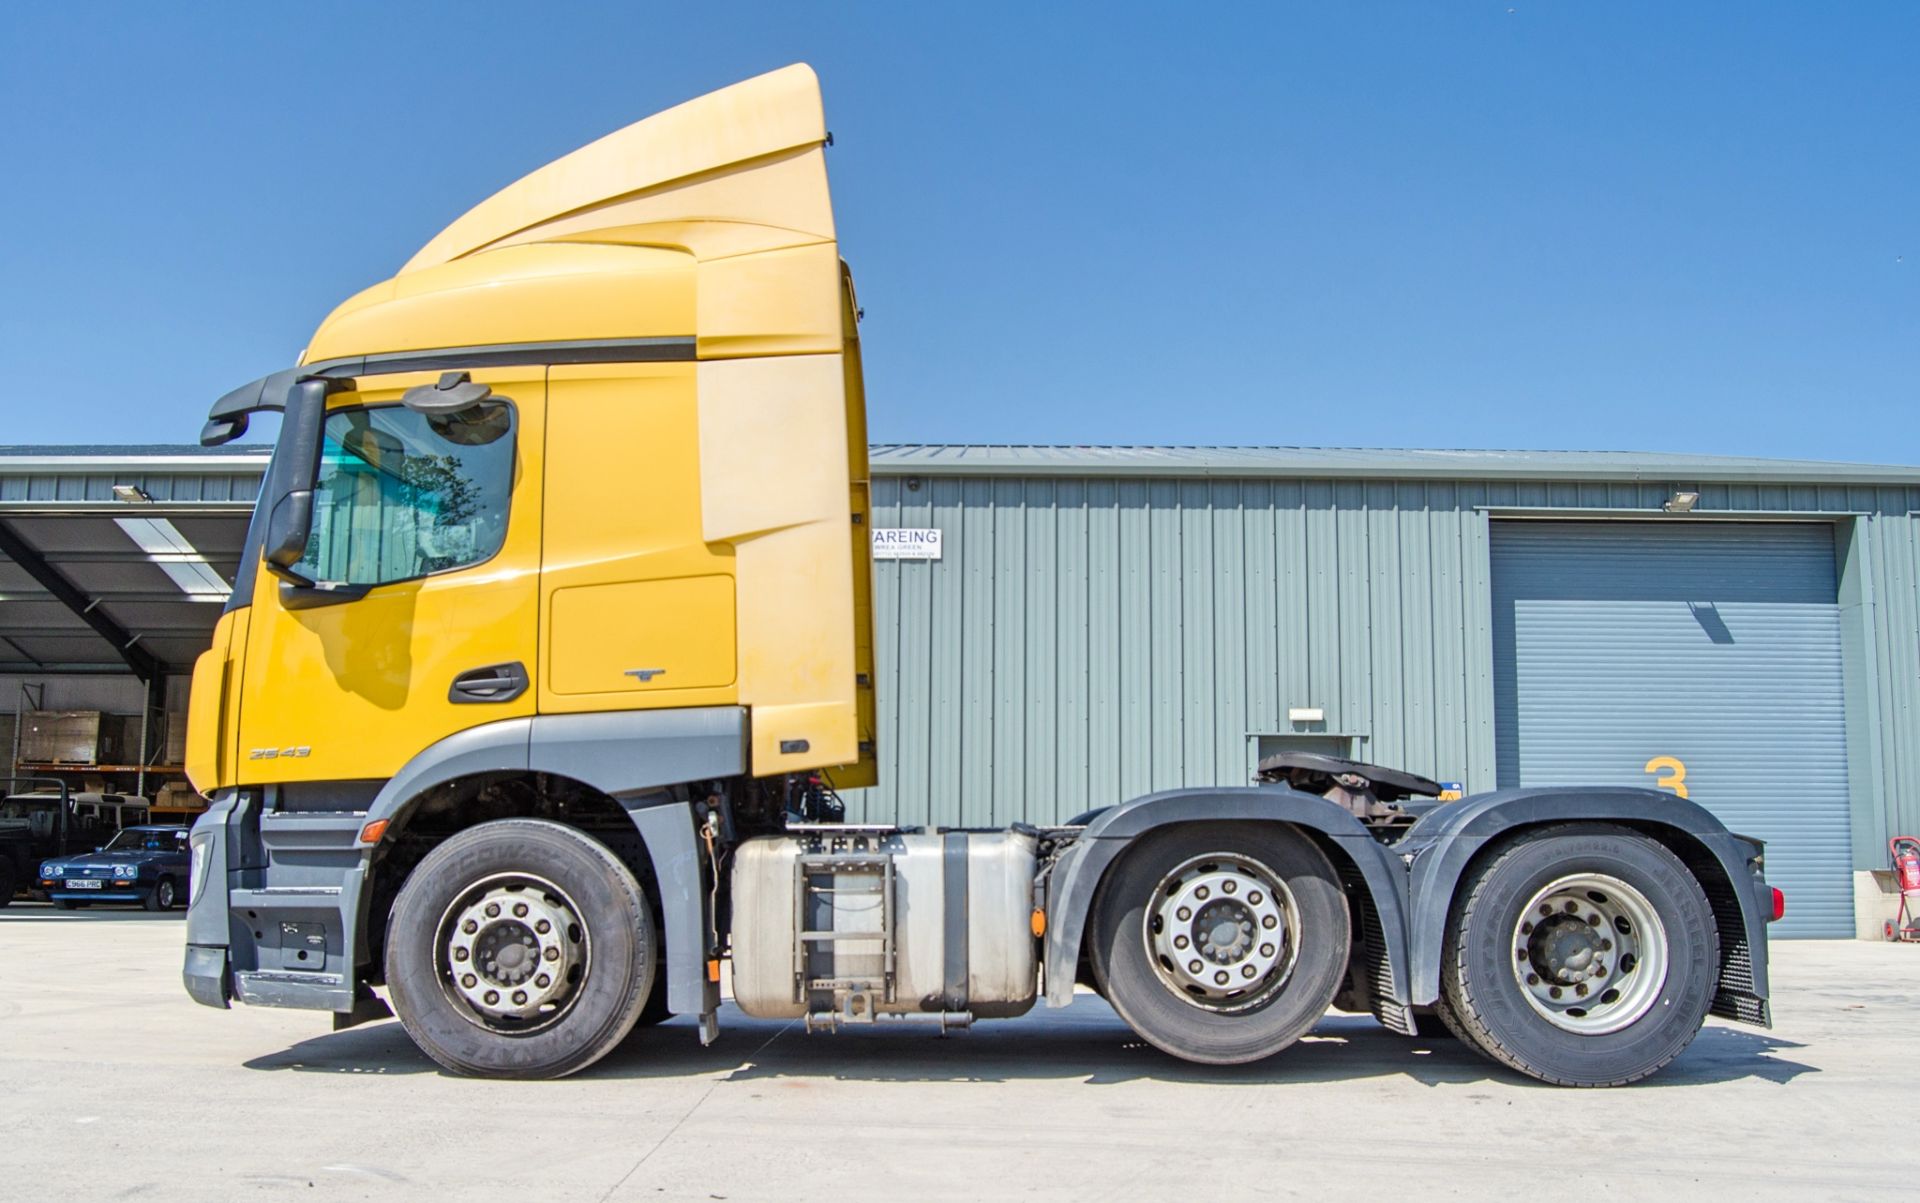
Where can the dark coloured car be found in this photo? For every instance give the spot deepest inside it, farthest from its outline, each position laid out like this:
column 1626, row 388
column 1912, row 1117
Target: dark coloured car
column 147, row 865
column 53, row 821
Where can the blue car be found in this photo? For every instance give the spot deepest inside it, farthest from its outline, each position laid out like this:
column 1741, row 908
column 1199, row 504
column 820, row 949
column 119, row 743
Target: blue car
column 147, row 865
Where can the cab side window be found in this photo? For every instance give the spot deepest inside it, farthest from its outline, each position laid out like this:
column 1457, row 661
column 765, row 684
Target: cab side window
column 402, row 495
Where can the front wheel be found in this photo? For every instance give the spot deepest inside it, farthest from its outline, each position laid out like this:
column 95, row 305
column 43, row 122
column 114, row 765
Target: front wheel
column 1581, row 956
column 1221, row 943
column 163, row 895
column 520, row 949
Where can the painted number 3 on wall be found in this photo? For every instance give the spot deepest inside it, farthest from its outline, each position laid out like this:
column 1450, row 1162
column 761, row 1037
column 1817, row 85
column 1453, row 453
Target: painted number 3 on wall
column 1669, row 773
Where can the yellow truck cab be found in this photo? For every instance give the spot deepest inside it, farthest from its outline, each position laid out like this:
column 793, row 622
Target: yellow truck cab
column 552, row 648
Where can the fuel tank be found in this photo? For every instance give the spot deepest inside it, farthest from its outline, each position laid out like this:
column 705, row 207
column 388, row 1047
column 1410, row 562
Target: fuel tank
column 861, row 922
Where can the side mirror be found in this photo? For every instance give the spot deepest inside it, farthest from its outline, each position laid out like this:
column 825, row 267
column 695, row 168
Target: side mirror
column 290, row 521
column 289, row 527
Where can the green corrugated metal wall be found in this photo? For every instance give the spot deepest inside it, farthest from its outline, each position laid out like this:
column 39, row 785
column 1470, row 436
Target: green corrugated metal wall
column 1085, row 640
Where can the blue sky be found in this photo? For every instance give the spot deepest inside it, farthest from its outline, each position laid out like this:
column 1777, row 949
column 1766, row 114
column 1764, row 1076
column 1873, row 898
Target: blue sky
column 1688, row 227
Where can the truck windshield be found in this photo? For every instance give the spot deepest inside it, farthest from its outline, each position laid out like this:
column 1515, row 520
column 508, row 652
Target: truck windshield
column 402, row 495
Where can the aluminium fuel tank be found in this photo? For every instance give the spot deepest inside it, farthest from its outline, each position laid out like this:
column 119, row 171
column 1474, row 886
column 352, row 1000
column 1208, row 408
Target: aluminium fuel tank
column 874, row 921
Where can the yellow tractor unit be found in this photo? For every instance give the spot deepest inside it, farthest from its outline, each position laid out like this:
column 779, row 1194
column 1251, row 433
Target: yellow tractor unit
column 552, row 649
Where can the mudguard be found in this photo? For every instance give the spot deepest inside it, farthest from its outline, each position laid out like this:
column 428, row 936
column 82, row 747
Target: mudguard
column 320, row 885
column 1445, row 841
column 1077, row 874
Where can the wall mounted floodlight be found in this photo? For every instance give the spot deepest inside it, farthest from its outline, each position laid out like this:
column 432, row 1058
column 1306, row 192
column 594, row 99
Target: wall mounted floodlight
column 1681, row 503
column 131, row 494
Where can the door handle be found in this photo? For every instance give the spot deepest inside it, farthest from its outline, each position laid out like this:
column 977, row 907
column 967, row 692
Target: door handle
column 494, row 683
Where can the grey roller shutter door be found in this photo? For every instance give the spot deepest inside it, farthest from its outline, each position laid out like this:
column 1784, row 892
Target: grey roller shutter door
column 1714, row 644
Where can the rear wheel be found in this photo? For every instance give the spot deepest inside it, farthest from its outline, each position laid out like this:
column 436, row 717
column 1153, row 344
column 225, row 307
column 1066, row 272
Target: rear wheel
column 1221, row 943
column 1581, row 956
column 520, row 949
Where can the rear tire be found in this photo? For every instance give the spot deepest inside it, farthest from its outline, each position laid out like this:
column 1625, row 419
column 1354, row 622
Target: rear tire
column 520, row 949
column 1580, row 955
column 1204, row 894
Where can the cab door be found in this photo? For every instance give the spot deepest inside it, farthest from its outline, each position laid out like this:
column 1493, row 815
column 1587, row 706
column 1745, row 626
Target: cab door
column 426, row 538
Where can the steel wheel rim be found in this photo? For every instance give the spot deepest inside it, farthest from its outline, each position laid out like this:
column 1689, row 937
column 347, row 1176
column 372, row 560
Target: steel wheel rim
column 1222, row 932
column 1589, row 953
column 512, row 953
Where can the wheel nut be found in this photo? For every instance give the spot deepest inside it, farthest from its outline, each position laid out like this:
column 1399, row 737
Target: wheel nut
column 1533, row 979
column 553, row 954
column 469, row 927
column 1593, row 921
column 543, row 927
column 1581, row 989
column 493, row 996
column 1554, row 992
column 1519, row 954
column 1254, row 897
column 519, row 910
column 1228, row 887
column 1194, row 966
column 1546, row 908
column 459, row 954
column 1269, row 923
column 469, row 981
column 1266, row 950
column 1606, row 946
column 1179, row 941
column 1202, row 892
column 1183, row 914
column 1526, row 929
column 543, row 981
column 519, row 998
column 1572, row 907
column 1221, row 978
column 493, row 910
column 1246, row 971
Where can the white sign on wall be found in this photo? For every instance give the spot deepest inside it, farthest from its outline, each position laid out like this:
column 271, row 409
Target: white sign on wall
column 905, row 543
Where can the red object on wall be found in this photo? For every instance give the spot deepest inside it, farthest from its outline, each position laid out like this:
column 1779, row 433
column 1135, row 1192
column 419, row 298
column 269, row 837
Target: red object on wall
column 1905, row 850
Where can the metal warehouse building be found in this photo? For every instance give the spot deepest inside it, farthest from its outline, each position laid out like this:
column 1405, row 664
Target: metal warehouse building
column 1093, row 623
column 1104, row 621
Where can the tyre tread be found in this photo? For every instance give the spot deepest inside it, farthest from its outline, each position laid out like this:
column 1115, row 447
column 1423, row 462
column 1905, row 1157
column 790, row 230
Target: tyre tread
column 1456, row 1006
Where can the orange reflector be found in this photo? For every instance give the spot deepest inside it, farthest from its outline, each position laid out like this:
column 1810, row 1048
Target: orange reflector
column 371, row 833
column 1038, row 923
column 713, row 969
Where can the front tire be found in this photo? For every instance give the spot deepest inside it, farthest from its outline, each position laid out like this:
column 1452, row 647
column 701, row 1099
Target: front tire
column 520, row 949
column 1221, row 943
column 1581, row 956
column 162, row 896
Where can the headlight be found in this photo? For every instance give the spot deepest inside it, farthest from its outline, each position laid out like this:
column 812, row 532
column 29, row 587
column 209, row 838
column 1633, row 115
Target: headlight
column 126, row 872
column 52, row 870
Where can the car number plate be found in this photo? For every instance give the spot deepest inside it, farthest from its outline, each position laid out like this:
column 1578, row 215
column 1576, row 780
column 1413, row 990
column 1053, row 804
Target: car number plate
column 80, row 883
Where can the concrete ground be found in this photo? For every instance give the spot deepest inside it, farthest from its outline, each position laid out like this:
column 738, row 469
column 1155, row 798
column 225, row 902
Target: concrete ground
column 114, row 1085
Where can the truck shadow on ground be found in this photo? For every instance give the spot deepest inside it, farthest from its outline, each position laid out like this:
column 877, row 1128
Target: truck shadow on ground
column 41, row 912
column 1089, row 1043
